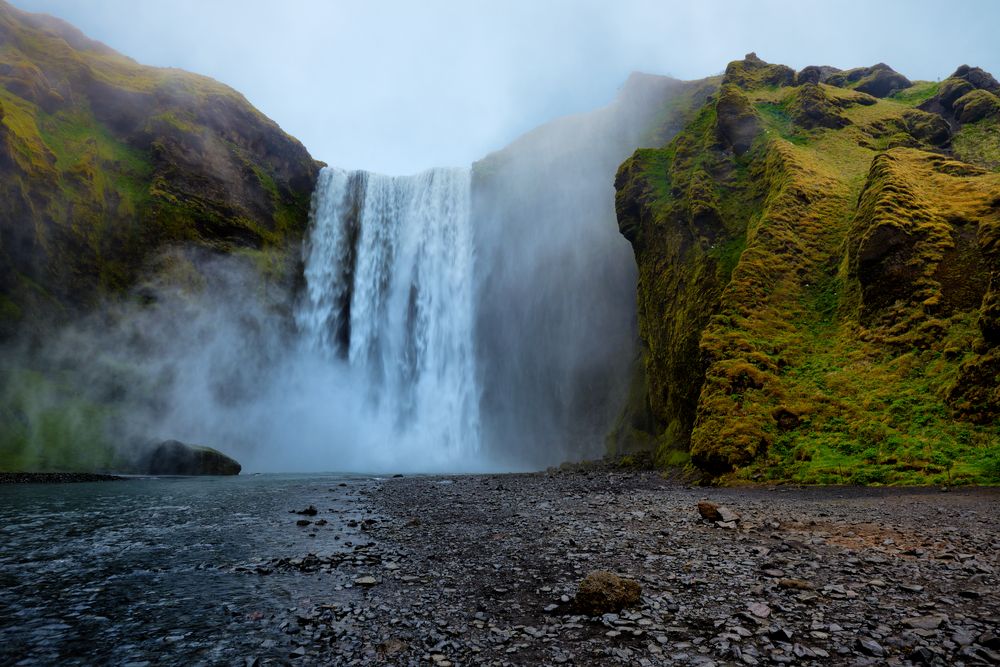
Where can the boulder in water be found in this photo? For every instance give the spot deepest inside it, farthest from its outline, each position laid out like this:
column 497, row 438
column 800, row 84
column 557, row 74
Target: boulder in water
column 172, row 457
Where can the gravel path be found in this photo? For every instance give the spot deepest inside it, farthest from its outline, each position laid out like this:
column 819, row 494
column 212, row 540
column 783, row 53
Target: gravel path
column 483, row 570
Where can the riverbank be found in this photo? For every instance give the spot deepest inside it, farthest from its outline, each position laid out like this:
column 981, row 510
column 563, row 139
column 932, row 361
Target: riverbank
column 55, row 477
column 483, row 570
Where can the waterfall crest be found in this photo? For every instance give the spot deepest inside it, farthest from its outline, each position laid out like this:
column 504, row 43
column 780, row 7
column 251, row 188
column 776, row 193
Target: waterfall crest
column 389, row 292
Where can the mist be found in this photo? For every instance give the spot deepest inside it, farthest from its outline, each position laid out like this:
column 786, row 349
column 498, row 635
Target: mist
column 457, row 320
column 217, row 362
column 557, row 332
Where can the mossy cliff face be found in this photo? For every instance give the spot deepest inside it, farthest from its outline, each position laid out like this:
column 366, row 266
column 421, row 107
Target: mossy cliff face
column 103, row 162
column 818, row 270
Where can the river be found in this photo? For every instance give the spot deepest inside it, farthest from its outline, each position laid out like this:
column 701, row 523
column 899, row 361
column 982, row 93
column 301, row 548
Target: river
column 163, row 570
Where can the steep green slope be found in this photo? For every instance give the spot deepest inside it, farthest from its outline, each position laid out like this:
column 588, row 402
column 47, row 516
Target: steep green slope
column 103, row 162
column 818, row 269
column 114, row 174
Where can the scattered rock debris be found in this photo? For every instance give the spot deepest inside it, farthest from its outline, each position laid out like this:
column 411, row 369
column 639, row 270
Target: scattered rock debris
column 501, row 570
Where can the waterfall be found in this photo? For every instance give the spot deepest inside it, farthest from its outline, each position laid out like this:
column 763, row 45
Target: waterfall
column 389, row 293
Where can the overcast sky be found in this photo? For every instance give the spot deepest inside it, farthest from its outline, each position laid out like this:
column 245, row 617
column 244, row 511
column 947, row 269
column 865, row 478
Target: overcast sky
column 401, row 86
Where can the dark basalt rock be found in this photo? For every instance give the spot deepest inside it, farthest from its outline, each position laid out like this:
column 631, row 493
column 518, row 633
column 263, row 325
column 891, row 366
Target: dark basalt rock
column 975, row 106
column 979, row 78
column 172, row 457
column 878, row 80
column 927, row 127
column 815, row 74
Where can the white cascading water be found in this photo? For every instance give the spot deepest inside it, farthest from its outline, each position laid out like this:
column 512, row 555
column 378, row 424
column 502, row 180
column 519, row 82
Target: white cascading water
column 389, row 291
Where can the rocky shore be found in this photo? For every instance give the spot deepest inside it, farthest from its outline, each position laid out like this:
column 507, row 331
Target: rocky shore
column 486, row 569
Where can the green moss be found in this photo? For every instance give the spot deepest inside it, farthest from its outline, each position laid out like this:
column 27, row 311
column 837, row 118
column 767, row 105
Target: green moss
column 779, row 121
column 823, row 295
column 979, row 143
column 9, row 311
column 917, row 94
column 976, row 106
column 110, row 162
column 45, row 425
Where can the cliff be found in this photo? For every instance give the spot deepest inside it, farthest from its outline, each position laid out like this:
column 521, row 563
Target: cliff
column 819, row 260
column 105, row 162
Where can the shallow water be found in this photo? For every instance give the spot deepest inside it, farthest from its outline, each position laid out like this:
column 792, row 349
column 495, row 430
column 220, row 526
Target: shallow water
column 148, row 570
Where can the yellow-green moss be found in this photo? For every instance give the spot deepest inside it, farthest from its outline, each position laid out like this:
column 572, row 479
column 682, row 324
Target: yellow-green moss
column 105, row 162
column 845, row 340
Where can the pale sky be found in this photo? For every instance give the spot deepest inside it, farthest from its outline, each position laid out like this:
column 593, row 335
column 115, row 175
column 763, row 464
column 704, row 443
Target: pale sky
column 398, row 87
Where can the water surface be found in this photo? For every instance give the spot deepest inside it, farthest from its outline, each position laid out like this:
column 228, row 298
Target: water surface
column 151, row 570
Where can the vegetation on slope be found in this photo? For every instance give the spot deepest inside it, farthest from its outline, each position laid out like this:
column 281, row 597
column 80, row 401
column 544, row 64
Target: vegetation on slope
column 818, row 268
column 107, row 168
column 103, row 162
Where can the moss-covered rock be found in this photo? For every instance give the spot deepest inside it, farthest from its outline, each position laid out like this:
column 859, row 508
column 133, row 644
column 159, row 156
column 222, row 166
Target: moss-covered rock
column 103, row 162
column 606, row 593
column 927, row 128
column 819, row 302
column 815, row 74
column 979, row 78
column 951, row 90
column 752, row 72
column 975, row 106
column 878, row 80
column 813, row 108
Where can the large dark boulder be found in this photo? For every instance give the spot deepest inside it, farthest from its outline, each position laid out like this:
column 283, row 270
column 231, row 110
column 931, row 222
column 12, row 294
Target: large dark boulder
column 975, row 106
column 172, row 457
column 878, row 80
column 978, row 77
column 815, row 74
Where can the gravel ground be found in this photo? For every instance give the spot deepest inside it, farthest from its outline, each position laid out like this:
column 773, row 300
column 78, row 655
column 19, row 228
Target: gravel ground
column 475, row 570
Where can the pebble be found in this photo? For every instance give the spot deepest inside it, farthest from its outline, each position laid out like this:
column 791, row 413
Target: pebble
column 483, row 570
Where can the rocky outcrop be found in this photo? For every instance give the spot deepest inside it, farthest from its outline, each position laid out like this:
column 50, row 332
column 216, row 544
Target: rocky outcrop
column 172, row 457
column 104, row 162
column 967, row 97
column 878, row 80
column 815, row 74
column 813, row 108
column 817, row 273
